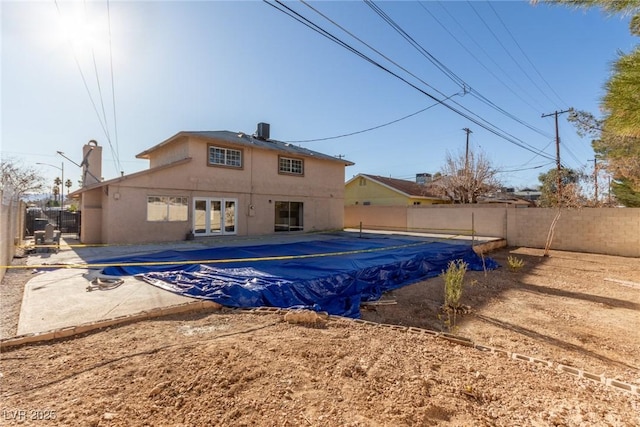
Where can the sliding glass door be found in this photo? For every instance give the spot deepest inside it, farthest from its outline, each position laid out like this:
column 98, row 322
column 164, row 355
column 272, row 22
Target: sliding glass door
column 289, row 216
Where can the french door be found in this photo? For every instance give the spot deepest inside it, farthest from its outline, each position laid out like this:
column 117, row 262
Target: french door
column 212, row 216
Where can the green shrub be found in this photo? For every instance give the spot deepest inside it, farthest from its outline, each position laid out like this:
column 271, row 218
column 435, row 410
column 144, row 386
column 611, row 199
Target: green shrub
column 453, row 281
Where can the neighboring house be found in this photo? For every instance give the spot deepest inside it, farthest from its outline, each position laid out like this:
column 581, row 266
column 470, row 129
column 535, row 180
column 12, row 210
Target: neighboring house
column 502, row 199
column 365, row 189
column 213, row 184
column 530, row 194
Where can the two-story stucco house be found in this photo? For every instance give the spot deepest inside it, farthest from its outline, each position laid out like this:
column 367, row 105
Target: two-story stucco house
column 213, row 183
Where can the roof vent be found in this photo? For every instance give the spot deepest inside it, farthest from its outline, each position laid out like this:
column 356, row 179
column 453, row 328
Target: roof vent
column 263, row 131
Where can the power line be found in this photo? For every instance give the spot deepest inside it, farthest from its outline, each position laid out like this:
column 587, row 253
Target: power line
column 450, row 73
column 113, row 90
column 481, row 48
column 523, row 169
column 479, row 121
column 507, row 51
column 102, row 118
column 525, row 55
column 371, row 128
column 475, row 93
column 84, row 80
column 104, row 113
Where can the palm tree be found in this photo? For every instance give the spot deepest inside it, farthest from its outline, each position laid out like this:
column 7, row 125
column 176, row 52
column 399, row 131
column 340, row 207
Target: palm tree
column 68, row 184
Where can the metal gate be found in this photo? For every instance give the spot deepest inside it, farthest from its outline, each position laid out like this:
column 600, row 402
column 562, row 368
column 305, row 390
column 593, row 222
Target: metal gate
column 65, row 221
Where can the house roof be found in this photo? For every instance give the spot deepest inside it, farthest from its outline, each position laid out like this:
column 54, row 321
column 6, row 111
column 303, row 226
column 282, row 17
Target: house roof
column 127, row 177
column 245, row 140
column 506, row 200
column 408, row 188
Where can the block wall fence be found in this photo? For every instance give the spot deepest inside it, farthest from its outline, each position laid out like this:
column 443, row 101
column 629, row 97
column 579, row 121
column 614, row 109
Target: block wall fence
column 610, row 231
column 11, row 229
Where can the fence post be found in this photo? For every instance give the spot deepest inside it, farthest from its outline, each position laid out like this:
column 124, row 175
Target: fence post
column 473, row 230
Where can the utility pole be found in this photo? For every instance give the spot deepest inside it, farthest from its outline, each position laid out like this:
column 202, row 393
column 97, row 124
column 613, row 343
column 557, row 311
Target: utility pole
column 466, row 152
column 467, row 182
column 558, row 164
column 595, row 178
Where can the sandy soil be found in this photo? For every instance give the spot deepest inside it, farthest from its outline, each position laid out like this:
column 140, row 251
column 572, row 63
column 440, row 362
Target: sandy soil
column 235, row 368
column 11, row 290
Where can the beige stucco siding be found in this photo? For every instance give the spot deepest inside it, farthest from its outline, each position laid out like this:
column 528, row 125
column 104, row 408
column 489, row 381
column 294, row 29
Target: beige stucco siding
column 170, row 153
column 91, row 224
column 122, row 213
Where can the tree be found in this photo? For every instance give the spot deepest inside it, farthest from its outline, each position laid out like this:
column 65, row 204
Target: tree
column 624, row 194
column 619, row 155
column 56, row 190
column 624, row 7
column 464, row 178
column 617, row 134
column 18, row 180
column 571, row 194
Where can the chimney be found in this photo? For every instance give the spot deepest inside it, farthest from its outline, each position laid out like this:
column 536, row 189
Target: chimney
column 91, row 163
column 263, row 131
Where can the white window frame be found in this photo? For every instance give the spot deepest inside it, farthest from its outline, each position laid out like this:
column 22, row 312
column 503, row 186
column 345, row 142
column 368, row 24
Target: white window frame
column 224, row 215
column 168, row 214
column 288, row 163
column 231, row 157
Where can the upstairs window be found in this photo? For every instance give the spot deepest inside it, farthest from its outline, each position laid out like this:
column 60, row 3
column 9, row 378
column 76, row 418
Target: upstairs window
column 221, row 156
column 290, row 166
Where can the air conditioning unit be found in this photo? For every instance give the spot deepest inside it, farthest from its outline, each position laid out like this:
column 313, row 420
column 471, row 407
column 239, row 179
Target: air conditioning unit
column 263, row 131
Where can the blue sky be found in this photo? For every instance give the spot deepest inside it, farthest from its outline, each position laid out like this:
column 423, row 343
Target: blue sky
column 229, row 65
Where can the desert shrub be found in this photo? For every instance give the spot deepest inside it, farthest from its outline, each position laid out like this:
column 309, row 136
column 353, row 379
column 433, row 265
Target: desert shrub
column 515, row 264
column 453, row 281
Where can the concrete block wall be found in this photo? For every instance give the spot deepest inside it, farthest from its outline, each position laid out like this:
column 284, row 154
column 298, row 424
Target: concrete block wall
column 490, row 220
column 612, row 231
column 376, row 217
column 11, row 229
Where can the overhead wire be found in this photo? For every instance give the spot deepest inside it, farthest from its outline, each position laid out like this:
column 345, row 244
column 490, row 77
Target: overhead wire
column 450, row 73
column 479, row 121
column 504, row 25
column 523, row 169
column 102, row 119
column 114, row 152
column 113, row 91
column 371, row 128
column 95, row 70
column 476, row 93
column 508, row 52
column 482, row 49
column 84, row 80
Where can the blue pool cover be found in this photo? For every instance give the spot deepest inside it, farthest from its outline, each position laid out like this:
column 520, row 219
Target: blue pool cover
column 327, row 275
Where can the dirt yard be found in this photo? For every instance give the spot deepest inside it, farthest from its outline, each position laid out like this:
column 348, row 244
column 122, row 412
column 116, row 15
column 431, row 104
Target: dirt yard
column 236, row 368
